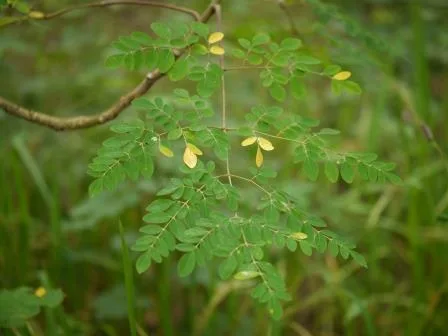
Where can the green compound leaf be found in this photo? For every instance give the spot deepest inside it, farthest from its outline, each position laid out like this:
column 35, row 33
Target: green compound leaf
column 196, row 212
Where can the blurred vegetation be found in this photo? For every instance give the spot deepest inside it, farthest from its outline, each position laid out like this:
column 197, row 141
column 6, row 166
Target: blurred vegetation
column 53, row 235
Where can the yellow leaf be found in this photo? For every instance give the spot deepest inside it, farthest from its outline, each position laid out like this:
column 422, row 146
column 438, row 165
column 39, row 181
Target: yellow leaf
column 299, row 236
column 249, row 141
column 40, row 292
column 265, row 144
column 166, row 151
column 217, row 50
column 190, row 159
column 259, row 158
column 343, row 75
column 36, row 15
column 194, row 149
column 215, row 37
column 246, row 275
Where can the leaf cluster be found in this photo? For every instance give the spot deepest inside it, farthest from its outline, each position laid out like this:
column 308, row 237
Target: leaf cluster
column 201, row 214
column 21, row 304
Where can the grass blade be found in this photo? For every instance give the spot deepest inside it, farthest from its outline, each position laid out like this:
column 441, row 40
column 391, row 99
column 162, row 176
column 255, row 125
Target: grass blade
column 128, row 281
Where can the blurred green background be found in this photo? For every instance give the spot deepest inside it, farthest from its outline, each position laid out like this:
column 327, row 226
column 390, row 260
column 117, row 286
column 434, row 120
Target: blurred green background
column 51, row 231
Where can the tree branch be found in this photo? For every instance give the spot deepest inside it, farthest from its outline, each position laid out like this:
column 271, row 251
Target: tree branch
column 107, row 3
column 289, row 16
column 78, row 122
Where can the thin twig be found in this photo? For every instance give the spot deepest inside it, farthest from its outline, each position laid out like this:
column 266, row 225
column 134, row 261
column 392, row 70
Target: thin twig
column 79, row 122
column 249, row 181
column 107, row 3
column 245, row 67
column 290, row 18
column 223, row 88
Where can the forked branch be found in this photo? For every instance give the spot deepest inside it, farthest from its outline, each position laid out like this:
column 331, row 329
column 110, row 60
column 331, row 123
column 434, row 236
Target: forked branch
column 79, row 122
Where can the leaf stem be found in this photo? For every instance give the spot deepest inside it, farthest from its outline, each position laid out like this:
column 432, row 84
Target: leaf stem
column 218, row 13
column 248, row 180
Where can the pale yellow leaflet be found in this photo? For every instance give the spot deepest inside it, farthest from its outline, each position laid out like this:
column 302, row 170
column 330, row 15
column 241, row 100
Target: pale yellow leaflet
column 265, row 144
column 217, row 50
column 194, row 149
column 40, row 292
column 215, row 37
column 343, row 75
column 190, row 159
column 166, row 151
column 299, row 236
column 248, row 141
column 246, row 275
column 259, row 157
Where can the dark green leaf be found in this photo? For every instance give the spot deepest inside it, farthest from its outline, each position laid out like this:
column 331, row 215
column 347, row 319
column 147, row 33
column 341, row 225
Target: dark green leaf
column 166, row 60
column 186, row 264
column 291, row 43
column 16, row 306
column 156, row 218
column 179, row 70
column 306, row 247
column 227, row 268
column 150, row 229
column 200, row 28
column 298, row 88
column 260, row 39
column 161, row 30
column 331, row 171
column 143, row 262
column 358, row 258
column 277, row 92
column 311, row 169
column 115, row 61
column 305, row 59
column 347, row 172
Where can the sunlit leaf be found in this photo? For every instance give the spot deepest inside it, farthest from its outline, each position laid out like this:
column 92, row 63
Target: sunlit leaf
column 343, row 75
column 259, row 158
column 190, row 159
column 166, row 151
column 248, row 141
column 246, row 275
column 265, row 144
column 215, row 37
column 299, row 235
column 186, row 264
column 217, row 50
column 194, row 149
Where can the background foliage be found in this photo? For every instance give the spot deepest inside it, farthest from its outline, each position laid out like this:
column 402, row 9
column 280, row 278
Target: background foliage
column 53, row 235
